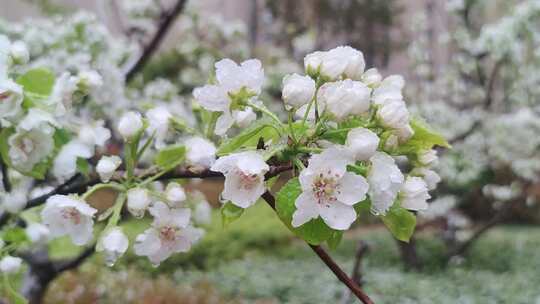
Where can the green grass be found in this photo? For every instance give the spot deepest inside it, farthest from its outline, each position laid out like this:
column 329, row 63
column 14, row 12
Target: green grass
column 256, row 257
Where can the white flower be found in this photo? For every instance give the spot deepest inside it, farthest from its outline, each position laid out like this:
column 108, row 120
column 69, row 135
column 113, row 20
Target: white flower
column 200, row 152
column 94, row 134
column 428, row 158
column 14, row 201
column 28, row 148
column 344, row 98
column 414, row 194
column 231, row 78
column 138, row 201
column 244, row 177
column 394, row 114
column 329, row 191
column 244, row 118
column 65, row 215
column 405, row 133
column 371, row 77
column 170, row 233
column 106, row 167
column 65, row 163
column 114, row 243
column 10, row 264
column 362, row 143
column 130, row 124
column 430, row 177
column 90, row 79
column 19, row 52
column 202, row 214
column 38, row 119
column 342, row 60
column 389, row 89
column 37, row 233
column 297, row 90
column 385, row 180
column 175, row 194
column 158, row 123
column 11, row 97
column 61, row 99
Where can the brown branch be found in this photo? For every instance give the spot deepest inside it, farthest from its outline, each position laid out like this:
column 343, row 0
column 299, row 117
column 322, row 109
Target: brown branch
column 5, row 177
column 166, row 22
column 491, row 84
column 330, row 263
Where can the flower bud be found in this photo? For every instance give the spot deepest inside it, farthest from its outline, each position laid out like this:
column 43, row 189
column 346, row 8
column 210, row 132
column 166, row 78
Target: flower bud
column 114, row 243
column 11, row 97
column 130, row 124
column 405, row 133
column 394, row 114
column 312, row 63
column 344, row 98
column 297, row 90
column 414, row 194
column 19, row 52
column 371, row 77
column 89, row 80
column 244, row 118
column 37, row 233
column 175, row 194
column 106, row 167
column 428, row 158
column 430, row 177
column 138, row 201
column 10, row 264
column 362, row 143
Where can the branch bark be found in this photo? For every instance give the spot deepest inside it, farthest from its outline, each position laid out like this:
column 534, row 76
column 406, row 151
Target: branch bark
column 165, row 24
column 330, row 263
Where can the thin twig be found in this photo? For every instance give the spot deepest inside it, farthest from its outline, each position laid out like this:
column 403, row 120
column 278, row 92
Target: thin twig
column 330, row 263
column 5, row 176
column 153, row 45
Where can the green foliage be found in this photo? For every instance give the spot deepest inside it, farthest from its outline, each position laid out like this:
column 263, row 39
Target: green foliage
column 15, row 235
column 400, row 222
column 13, row 296
column 230, row 213
column 170, row 156
column 339, row 134
column 248, row 138
column 315, row 231
column 38, row 84
column 424, row 138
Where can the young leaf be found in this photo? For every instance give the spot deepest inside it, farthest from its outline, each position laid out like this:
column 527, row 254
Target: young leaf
column 170, row 156
column 424, row 138
column 335, row 239
column 315, row 231
column 38, row 81
column 15, row 235
column 250, row 137
column 400, row 222
column 230, row 213
column 83, row 166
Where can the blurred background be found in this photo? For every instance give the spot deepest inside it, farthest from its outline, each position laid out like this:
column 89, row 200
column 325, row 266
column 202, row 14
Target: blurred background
column 471, row 66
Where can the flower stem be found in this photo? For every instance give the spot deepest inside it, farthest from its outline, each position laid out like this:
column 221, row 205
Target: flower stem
column 263, row 109
column 102, row 186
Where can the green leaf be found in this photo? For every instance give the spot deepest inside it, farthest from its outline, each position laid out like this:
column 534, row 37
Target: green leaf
column 4, row 145
column 315, row 231
column 335, row 239
column 83, row 166
column 339, row 134
column 13, row 296
column 170, row 156
column 38, row 81
column 15, row 235
column 250, row 137
column 61, row 137
column 424, row 138
column 400, row 222
column 230, row 213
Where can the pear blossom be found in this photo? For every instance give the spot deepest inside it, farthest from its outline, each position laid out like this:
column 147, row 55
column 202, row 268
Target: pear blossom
column 342, row 60
column 170, row 233
column 65, row 163
column 138, row 200
column 405, row 133
column 394, row 114
column 344, row 98
column 114, row 243
column 61, row 98
column 28, row 148
column 158, row 124
column 19, row 52
column 244, row 177
column 414, row 194
column 67, row 215
column 362, row 143
column 297, row 90
column 371, row 77
column 430, row 177
column 385, row 180
column 428, row 158
column 175, row 194
column 38, row 119
column 37, row 233
column 388, row 89
column 106, row 167
column 231, row 79
column 130, row 125
column 329, row 191
column 94, row 134
column 10, row 264
column 89, row 80
column 14, row 201
column 201, row 153
column 11, row 97
column 202, row 215
column 244, row 118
